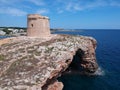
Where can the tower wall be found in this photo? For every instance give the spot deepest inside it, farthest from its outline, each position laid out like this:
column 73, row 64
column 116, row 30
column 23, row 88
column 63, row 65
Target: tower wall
column 38, row 26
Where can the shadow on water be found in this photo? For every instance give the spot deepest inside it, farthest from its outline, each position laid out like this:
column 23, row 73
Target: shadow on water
column 73, row 77
column 80, row 82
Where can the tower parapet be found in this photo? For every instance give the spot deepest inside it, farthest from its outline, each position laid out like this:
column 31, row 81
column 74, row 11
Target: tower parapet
column 38, row 26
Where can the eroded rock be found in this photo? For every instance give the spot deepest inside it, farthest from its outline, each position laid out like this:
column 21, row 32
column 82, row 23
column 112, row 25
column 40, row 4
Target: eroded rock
column 55, row 86
column 29, row 63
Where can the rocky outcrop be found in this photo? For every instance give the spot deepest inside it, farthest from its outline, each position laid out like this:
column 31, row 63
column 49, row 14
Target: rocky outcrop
column 36, row 63
column 55, row 86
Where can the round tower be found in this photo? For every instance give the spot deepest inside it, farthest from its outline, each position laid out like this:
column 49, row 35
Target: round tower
column 38, row 26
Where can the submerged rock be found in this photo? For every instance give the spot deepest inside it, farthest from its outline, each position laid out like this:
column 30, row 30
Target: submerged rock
column 34, row 63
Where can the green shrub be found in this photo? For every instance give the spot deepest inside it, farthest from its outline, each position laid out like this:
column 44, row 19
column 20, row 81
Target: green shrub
column 1, row 57
column 7, row 31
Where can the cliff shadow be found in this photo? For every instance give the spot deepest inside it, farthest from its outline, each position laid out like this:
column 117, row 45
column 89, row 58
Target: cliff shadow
column 75, row 66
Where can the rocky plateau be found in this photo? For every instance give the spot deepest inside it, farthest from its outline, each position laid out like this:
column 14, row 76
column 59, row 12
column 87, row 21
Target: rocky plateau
column 35, row 63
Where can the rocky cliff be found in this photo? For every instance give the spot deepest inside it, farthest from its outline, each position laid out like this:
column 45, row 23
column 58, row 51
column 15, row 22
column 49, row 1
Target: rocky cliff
column 36, row 63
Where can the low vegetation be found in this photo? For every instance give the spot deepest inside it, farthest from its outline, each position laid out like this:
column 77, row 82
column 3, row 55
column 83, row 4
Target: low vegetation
column 1, row 57
column 6, row 31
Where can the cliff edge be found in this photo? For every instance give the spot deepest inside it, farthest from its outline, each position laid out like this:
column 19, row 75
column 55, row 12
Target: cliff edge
column 36, row 63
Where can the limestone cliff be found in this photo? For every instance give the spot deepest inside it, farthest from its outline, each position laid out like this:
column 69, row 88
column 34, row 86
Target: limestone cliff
column 35, row 63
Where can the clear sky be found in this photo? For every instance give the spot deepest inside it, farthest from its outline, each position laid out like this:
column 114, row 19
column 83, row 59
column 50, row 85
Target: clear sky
column 74, row 14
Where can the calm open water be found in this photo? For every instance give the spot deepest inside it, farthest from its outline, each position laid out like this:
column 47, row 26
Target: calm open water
column 108, row 57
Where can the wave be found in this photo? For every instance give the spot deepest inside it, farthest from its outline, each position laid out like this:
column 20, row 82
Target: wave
column 99, row 72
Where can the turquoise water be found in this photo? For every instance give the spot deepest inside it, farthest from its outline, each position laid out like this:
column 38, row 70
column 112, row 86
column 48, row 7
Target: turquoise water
column 108, row 57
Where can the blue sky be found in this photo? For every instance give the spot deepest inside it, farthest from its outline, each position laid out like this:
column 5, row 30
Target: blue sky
column 74, row 14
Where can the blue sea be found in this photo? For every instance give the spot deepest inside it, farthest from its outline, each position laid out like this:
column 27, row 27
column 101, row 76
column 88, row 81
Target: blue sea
column 108, row 58
column 1, row 37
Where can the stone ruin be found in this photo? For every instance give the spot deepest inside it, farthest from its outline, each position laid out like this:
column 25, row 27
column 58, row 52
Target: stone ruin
column 38, row 26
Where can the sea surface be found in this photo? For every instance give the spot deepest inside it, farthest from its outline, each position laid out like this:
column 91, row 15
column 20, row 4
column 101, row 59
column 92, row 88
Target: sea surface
column 1, row 37
column 108, row 58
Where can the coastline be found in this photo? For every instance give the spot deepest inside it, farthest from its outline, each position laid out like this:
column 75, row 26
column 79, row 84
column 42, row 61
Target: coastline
column 55, row 55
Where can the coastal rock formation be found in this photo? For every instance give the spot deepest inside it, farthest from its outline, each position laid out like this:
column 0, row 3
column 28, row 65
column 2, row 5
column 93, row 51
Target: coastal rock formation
column 54, row 86
column 35, row 63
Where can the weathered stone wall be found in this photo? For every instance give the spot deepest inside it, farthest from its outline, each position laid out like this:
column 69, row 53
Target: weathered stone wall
column 38, row 26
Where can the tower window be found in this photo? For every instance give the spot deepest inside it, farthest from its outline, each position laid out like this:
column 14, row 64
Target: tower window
column 32, row 25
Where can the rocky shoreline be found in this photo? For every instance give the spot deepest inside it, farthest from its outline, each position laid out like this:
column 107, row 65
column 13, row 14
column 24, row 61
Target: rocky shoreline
column 35, row 63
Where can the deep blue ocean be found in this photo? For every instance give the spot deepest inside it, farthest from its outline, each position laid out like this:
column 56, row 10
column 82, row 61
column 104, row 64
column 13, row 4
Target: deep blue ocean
column 108, row 58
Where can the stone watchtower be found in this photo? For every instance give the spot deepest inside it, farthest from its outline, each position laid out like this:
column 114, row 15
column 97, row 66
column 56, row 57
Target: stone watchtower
column 38, row 26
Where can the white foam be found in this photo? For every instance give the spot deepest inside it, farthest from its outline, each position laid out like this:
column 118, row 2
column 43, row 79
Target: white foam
column 99, row 72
